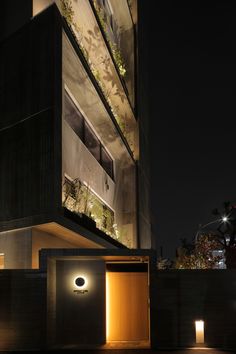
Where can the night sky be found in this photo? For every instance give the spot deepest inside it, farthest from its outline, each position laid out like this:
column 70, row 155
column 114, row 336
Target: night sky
column 191, row 54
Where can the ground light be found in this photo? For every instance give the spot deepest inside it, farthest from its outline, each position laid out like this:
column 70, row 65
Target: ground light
column 199, row 329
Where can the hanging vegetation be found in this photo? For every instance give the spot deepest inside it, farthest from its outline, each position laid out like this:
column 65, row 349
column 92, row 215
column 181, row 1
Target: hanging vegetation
column 78, row 198
column 68, row 13
column 113, row 46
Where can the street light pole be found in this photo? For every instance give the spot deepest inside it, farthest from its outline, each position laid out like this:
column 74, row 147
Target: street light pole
column 223, row 219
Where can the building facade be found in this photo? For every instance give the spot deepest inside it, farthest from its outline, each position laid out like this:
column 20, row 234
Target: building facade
column 75, row 232
column 71, row 176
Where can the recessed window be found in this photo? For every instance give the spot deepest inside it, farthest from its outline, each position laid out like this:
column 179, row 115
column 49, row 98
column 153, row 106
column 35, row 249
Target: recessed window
column 74, row 117
column 92, row 142
column 82, row 129
column 106, row 162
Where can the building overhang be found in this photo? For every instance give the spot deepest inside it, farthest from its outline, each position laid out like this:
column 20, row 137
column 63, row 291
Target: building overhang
column 105, row 254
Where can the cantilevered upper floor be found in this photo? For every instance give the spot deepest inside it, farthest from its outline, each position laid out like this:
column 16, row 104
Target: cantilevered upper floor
column 65, row 160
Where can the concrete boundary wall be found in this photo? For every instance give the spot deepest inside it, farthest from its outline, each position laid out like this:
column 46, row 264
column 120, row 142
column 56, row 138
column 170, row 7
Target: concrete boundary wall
column 23, row 308
column 179, row 297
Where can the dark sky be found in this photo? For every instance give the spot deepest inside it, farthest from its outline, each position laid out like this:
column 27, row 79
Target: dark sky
column 192, row 95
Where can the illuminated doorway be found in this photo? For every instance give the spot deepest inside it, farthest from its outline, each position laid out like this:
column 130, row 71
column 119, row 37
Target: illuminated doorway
column 2, row 266
column 112, row 312
column 127, row 303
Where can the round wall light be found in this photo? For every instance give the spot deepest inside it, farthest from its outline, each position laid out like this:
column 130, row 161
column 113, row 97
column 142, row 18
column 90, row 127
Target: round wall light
column 80, row 282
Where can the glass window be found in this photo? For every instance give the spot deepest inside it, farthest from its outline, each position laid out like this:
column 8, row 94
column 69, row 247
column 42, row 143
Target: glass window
column 106, row 162
column 92, row 142
column 74, row 117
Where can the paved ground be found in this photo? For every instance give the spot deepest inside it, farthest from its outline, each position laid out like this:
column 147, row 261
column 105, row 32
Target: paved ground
column 148, row 351
column 141, row 351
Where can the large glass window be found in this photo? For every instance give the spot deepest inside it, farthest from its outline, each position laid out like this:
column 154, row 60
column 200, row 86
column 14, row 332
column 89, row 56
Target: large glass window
column 82, row 129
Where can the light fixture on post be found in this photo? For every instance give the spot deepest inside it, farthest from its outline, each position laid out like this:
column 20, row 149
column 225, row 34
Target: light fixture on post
column 199, row 331
column 222, row 220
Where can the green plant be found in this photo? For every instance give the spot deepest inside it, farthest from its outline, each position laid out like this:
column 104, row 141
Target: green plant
column 199, row 255
column 68, row 14
column 78, row 198
column 113, row 46
column 118, row 58
column 67, row 11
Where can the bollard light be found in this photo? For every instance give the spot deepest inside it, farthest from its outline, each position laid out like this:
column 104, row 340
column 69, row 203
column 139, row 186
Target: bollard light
column 199, row 328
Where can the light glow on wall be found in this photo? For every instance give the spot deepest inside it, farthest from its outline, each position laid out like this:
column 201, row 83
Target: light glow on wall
column 107, row 307
column 199, row 328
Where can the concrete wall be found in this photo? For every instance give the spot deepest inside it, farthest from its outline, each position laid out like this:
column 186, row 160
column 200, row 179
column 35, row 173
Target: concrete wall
column 16, row 247
column 77, row 161
column 179, row 297
column 23, row 309
column 80, row 318
column 147, row 240
column 41, row 240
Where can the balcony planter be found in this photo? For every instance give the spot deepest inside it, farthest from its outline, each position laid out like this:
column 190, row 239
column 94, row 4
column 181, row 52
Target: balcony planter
column 81, row 219
column 88, row 222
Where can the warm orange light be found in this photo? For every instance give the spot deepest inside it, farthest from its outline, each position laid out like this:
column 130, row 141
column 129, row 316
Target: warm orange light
column 107, row 307
column 126, row 303
column 199, row 328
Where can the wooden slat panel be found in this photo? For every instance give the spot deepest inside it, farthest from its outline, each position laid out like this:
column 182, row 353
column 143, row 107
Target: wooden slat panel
column 127, row 306
column 1, row 261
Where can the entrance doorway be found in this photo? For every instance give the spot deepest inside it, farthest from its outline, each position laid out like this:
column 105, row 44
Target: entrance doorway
column 111, row 309
column 1, row 260
column 127, row 308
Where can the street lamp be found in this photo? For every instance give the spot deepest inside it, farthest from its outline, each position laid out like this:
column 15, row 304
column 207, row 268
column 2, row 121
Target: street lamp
column 223, row 219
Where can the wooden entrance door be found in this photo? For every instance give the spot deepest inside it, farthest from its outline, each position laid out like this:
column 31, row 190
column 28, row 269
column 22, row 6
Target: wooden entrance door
column 127, row 306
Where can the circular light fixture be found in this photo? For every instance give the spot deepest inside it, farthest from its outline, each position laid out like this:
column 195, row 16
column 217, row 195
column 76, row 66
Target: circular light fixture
column 224, row 218
column 80, row 281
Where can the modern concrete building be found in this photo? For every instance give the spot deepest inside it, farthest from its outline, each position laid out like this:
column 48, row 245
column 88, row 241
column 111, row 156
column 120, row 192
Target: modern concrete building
column 74, row 180
column 77, row 268
column 70, row 172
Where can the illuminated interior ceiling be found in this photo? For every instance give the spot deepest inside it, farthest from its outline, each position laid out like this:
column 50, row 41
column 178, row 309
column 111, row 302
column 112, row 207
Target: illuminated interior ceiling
column 90, row 38
column 79, row 84
column 106, row 258
column 63, row 233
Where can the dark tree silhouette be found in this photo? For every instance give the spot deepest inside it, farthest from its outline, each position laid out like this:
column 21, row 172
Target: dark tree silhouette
column 225, row 233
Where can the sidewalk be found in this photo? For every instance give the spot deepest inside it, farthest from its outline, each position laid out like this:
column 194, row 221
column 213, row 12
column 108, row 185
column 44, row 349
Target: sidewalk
column 151, row 351
column 139, row 351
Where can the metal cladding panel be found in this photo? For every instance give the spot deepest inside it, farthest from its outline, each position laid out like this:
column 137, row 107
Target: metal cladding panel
column 30, row 101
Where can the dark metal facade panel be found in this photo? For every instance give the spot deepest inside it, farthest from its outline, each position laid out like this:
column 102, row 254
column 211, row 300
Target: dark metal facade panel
column 30, row 124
